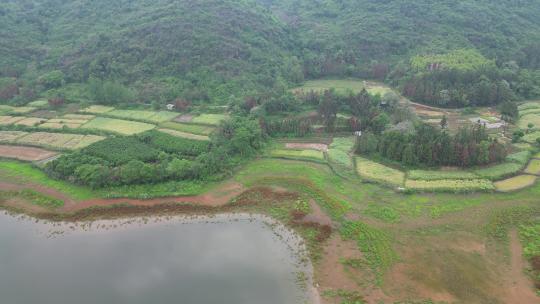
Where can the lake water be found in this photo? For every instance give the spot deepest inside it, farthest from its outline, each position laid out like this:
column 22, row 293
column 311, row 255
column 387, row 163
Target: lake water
column 227, row 259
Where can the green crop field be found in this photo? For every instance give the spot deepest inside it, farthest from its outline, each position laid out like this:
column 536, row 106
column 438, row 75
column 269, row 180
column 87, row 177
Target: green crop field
column 515, row 183
column 438, row 175
column 188, row 128
column 449, row 185
column 533, row 167
column 150, row 116
column 209, row 119
column 124, row 127
column 499, row 171
column 97, row 109
column 184, row 134
column 310, row 155
column 527, row 119
column 379, row 173
column 339, row 150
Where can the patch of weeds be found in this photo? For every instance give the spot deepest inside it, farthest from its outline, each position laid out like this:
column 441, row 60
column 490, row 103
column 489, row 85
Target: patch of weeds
column 33, row 197
column 383, row 213
column 346, row 296
column 374, row 243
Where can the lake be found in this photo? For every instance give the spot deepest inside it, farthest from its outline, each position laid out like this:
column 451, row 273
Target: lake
column 226, row 259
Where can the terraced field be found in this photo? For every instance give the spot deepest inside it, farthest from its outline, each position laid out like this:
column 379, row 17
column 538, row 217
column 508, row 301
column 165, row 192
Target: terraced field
column 379, row 173
column 123, row 127
column 55, row 141
column 150, row 116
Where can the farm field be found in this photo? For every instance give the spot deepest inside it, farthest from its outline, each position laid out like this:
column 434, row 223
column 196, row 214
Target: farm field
column 97, row 109
column 533, row 167
column 209, row 119
column 25, row 153
column 188, row 128
column 515, row 183
column 379, row 173
column 150, row 116
column 499, row 171
column 123, row 127
column 449, row 185
column 339, row 150
column 184, row 134
column 309, row 155
column 61, row 141
column 440, row 175
column 343, row 86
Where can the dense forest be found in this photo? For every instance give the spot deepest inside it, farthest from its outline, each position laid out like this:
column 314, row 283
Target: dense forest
column 211, row 51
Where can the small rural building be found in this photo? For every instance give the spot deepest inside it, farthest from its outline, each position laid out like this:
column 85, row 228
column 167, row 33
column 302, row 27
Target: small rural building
column 170, row 107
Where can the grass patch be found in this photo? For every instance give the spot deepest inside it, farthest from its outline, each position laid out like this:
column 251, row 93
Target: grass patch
column 438, row 175
column 450, row 185
column 188, row 128
column 123, row 127
column 165, row 189
column 27, row 173
column 375, row 244
column 339, row 150
column 515, row 183
column 531, row 137
column 379, row 173
column 209, row 119
column 525, row 120
column 309, row 155
column 33, row 197
column 383, row 213
column 519, row 157
column 499, row 171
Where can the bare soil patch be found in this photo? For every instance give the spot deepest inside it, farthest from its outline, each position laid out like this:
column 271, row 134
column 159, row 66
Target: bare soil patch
column 519, row 288
column 184, row 118
column 25, row 153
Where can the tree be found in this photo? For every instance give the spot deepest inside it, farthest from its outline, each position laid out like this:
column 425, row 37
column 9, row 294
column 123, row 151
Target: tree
column 444, row 122
column 509, row 112
column 52, row 80
column 328, row 110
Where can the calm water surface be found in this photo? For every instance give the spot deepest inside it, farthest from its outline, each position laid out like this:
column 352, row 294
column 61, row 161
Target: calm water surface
column 228, row 259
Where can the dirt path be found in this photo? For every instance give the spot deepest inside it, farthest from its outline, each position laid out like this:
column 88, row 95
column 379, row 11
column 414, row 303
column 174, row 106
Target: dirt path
column 520, row 288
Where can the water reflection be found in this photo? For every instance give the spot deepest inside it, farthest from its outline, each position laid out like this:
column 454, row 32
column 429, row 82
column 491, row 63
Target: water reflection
column 227, row 259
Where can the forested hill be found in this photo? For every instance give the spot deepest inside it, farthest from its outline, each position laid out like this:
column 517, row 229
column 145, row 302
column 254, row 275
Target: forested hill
column 337, row 34
column 218, row 50
column 210, row 41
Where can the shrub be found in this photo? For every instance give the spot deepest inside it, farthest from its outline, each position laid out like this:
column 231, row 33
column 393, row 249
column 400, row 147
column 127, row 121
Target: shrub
column 173, row 144
column 120, row 150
